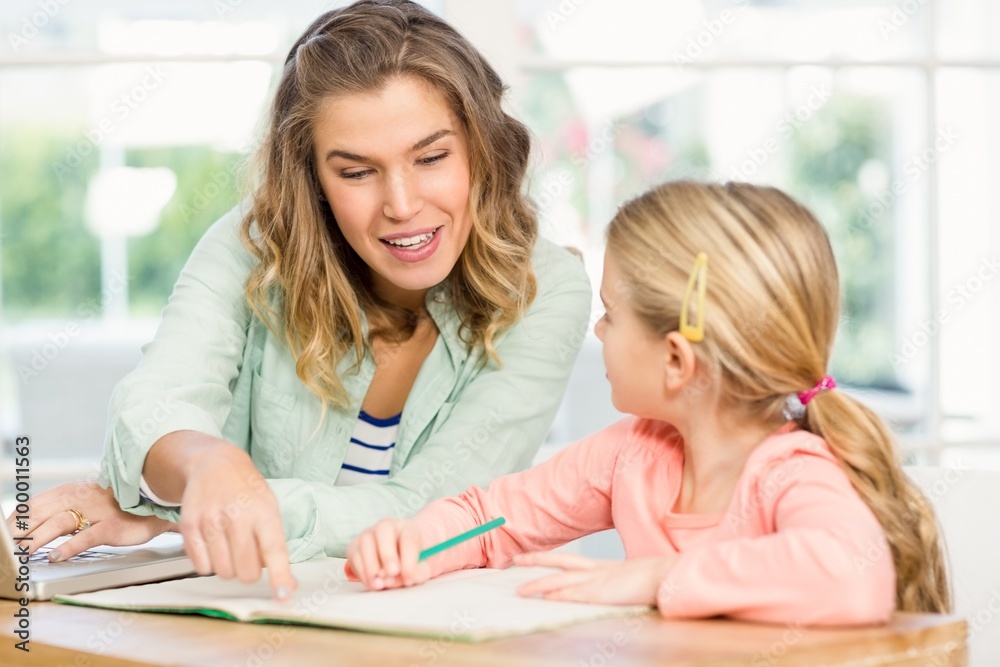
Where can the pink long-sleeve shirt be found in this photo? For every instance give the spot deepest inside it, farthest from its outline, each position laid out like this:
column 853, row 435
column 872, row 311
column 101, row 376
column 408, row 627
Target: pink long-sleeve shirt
column 796, row 544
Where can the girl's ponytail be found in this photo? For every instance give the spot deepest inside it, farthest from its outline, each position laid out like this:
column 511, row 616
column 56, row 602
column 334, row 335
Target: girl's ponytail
column 867, row 451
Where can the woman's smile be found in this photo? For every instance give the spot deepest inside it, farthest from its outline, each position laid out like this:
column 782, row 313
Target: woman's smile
column 413, row 246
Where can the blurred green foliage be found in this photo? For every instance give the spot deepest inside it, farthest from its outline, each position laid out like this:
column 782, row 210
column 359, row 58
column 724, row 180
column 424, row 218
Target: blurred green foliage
column 825, row 156
column 51, row 265
column 206, row 189
column 50, row 261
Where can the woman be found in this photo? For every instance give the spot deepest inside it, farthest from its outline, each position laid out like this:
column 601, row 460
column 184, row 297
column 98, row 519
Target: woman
column 377, row 327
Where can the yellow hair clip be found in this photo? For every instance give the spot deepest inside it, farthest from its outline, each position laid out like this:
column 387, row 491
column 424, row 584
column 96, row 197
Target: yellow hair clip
column 699, row 274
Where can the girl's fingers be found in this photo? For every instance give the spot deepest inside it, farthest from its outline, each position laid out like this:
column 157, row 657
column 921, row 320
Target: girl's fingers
column 385, row 556
column 563, row 561
column 553, row 583
column 353, row 567
column 369, row 561
column 573, row 593
column 422, row 573
column 409, row 552
column 387, row 544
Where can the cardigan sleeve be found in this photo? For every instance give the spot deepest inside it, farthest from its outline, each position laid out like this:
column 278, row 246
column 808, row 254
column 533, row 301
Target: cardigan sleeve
column 564, row 498
column 183, row 380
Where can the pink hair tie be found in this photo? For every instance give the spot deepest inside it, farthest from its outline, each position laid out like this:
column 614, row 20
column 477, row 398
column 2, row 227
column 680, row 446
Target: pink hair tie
column 826, row 383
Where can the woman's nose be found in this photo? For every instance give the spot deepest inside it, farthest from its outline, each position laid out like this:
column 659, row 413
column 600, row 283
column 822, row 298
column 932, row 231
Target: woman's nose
column 402, row 197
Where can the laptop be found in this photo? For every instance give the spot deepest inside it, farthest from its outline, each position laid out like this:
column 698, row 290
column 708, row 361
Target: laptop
column 161, row 558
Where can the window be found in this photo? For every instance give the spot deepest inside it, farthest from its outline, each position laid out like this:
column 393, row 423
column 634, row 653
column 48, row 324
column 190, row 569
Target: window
column 875, row 113
column 870, row 111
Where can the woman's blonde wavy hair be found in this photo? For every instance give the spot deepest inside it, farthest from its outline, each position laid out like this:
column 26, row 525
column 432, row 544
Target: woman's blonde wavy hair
column 771, row 313
column 309, row 285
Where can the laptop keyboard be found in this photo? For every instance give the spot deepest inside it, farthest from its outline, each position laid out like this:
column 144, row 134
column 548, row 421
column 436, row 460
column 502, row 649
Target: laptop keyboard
column 42, row 556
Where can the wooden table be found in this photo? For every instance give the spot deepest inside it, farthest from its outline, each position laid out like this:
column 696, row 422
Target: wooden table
column 67, row 636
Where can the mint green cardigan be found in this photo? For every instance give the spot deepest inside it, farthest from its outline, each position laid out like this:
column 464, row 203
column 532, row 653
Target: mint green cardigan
column 214, row 367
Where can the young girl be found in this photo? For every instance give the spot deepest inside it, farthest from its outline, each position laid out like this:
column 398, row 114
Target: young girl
column 744, row 484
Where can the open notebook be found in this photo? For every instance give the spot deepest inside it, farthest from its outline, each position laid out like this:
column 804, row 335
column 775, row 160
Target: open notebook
column 468, row 605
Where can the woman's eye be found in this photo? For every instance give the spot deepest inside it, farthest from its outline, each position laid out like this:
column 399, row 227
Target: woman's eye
column 434, row 158
column 355, row 175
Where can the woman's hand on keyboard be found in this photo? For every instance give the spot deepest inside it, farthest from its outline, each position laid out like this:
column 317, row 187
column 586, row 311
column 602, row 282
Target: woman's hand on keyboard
column 48, row 517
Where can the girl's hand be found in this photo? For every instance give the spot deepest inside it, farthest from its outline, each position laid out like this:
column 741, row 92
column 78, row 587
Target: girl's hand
column 385, row 556
column 588, row 580
column 48, row 519
column 231, row 522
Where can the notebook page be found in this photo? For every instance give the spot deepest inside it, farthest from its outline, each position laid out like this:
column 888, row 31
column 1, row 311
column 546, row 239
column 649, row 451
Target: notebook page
column 467, row 605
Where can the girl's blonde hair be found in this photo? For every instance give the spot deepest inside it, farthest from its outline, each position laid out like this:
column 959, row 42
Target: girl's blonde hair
column 770, row 312
column 308, row 276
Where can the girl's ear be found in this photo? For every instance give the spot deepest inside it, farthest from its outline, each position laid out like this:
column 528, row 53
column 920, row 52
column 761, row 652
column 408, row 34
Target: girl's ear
column 680, row 362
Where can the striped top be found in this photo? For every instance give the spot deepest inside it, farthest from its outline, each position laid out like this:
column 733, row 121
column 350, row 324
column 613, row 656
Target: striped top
column 369, row 453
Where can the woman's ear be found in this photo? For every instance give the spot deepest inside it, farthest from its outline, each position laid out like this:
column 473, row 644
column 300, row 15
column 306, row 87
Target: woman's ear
column 680, row 362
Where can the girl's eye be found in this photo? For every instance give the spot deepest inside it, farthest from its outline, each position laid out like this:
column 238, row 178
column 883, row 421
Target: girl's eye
column 434, row 158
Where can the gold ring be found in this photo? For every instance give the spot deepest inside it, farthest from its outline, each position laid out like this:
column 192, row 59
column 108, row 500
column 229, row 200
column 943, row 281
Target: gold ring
column 81, row 521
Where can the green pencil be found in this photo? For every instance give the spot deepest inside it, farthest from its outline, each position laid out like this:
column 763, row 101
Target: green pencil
column 458, row 539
